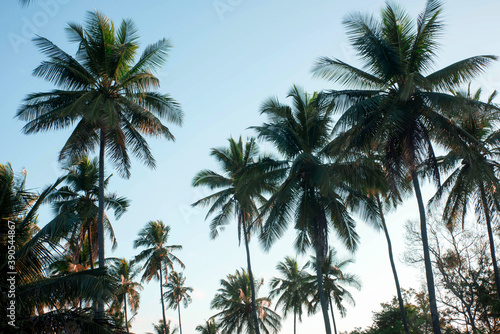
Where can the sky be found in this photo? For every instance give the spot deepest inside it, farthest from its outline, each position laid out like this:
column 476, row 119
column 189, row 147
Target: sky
column 228, row 57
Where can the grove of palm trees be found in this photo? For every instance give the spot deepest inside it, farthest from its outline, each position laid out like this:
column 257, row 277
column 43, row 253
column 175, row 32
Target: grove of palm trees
column 262, row 167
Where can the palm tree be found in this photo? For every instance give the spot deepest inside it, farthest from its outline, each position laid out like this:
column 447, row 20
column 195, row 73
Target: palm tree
column 385, row 199
column 80, row 195
column 210, row 327
column 314, row 191
column 109, row 95
column 177, row 293
column 383, row 226
column 36, row 250
column 334, row 282
column 290, row 288
column 236, row 314
column 124, row 272
column 394, row 100
column 473, row 172
column 158, row 255
column 240, row 188
column 162, row 329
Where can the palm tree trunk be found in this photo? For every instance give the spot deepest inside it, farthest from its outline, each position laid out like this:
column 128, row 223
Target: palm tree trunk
column 250, row 274
column 321, row 291
column 162, row 302
column 333, row 318
column 125, row 308
column 490, row 237
column 402, row 309
column 179, row 310
column 294, row 322
column 427, row 257
column 90, row 249
column 100, row 216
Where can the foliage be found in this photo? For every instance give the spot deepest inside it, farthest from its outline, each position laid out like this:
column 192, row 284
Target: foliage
column 465, row 280
column 104, row 90
column 245, row 180
column 210, row 327
column 290, row 288
column 41, row 301
column 396, row 103
column 162, row 329
column 234, row 302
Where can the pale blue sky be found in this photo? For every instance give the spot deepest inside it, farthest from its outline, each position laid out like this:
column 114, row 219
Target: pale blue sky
column 228, row 57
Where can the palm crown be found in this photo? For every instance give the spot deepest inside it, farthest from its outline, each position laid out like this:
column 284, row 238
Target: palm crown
column 158, row 255
column 233, row 299
column 102, row 89
column 290, row 288
column 396, row 102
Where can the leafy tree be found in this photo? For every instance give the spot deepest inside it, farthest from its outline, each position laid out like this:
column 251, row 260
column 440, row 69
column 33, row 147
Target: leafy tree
column 240, row 188
column 177, row 293
column 290, row 289
column 107, row 93
column 124, row 272
column 464, row 276
column 233, row 299
column 388, row 319
column 315, row 188
column 158, row 255
column 394, row 100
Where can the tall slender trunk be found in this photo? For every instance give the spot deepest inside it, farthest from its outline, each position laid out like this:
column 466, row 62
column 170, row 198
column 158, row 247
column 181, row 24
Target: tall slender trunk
column 250, row 274
column 100, row 216
column 294, row 322
column 179, row 310
column 125, row 308
column 333, row 318
column 90, row 249
column 162, row 302
column 321, row 291
column 490, row 237
column 402, row 309
column 427, row 257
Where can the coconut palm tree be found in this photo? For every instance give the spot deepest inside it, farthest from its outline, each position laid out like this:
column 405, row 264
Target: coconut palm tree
column 177, row 293
column 36, row 249
column 124, row 272
column 80, row 195
column 210, row 327
column 314, row 191
column 473, row 173
column 236, row 316
column 335, row 280
column 383, row 226
column 396, row 101
column 158, row 255
column 162, row 329
column 385, row 200
column 240, row 188
column 290, row 289
column 107, row 93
